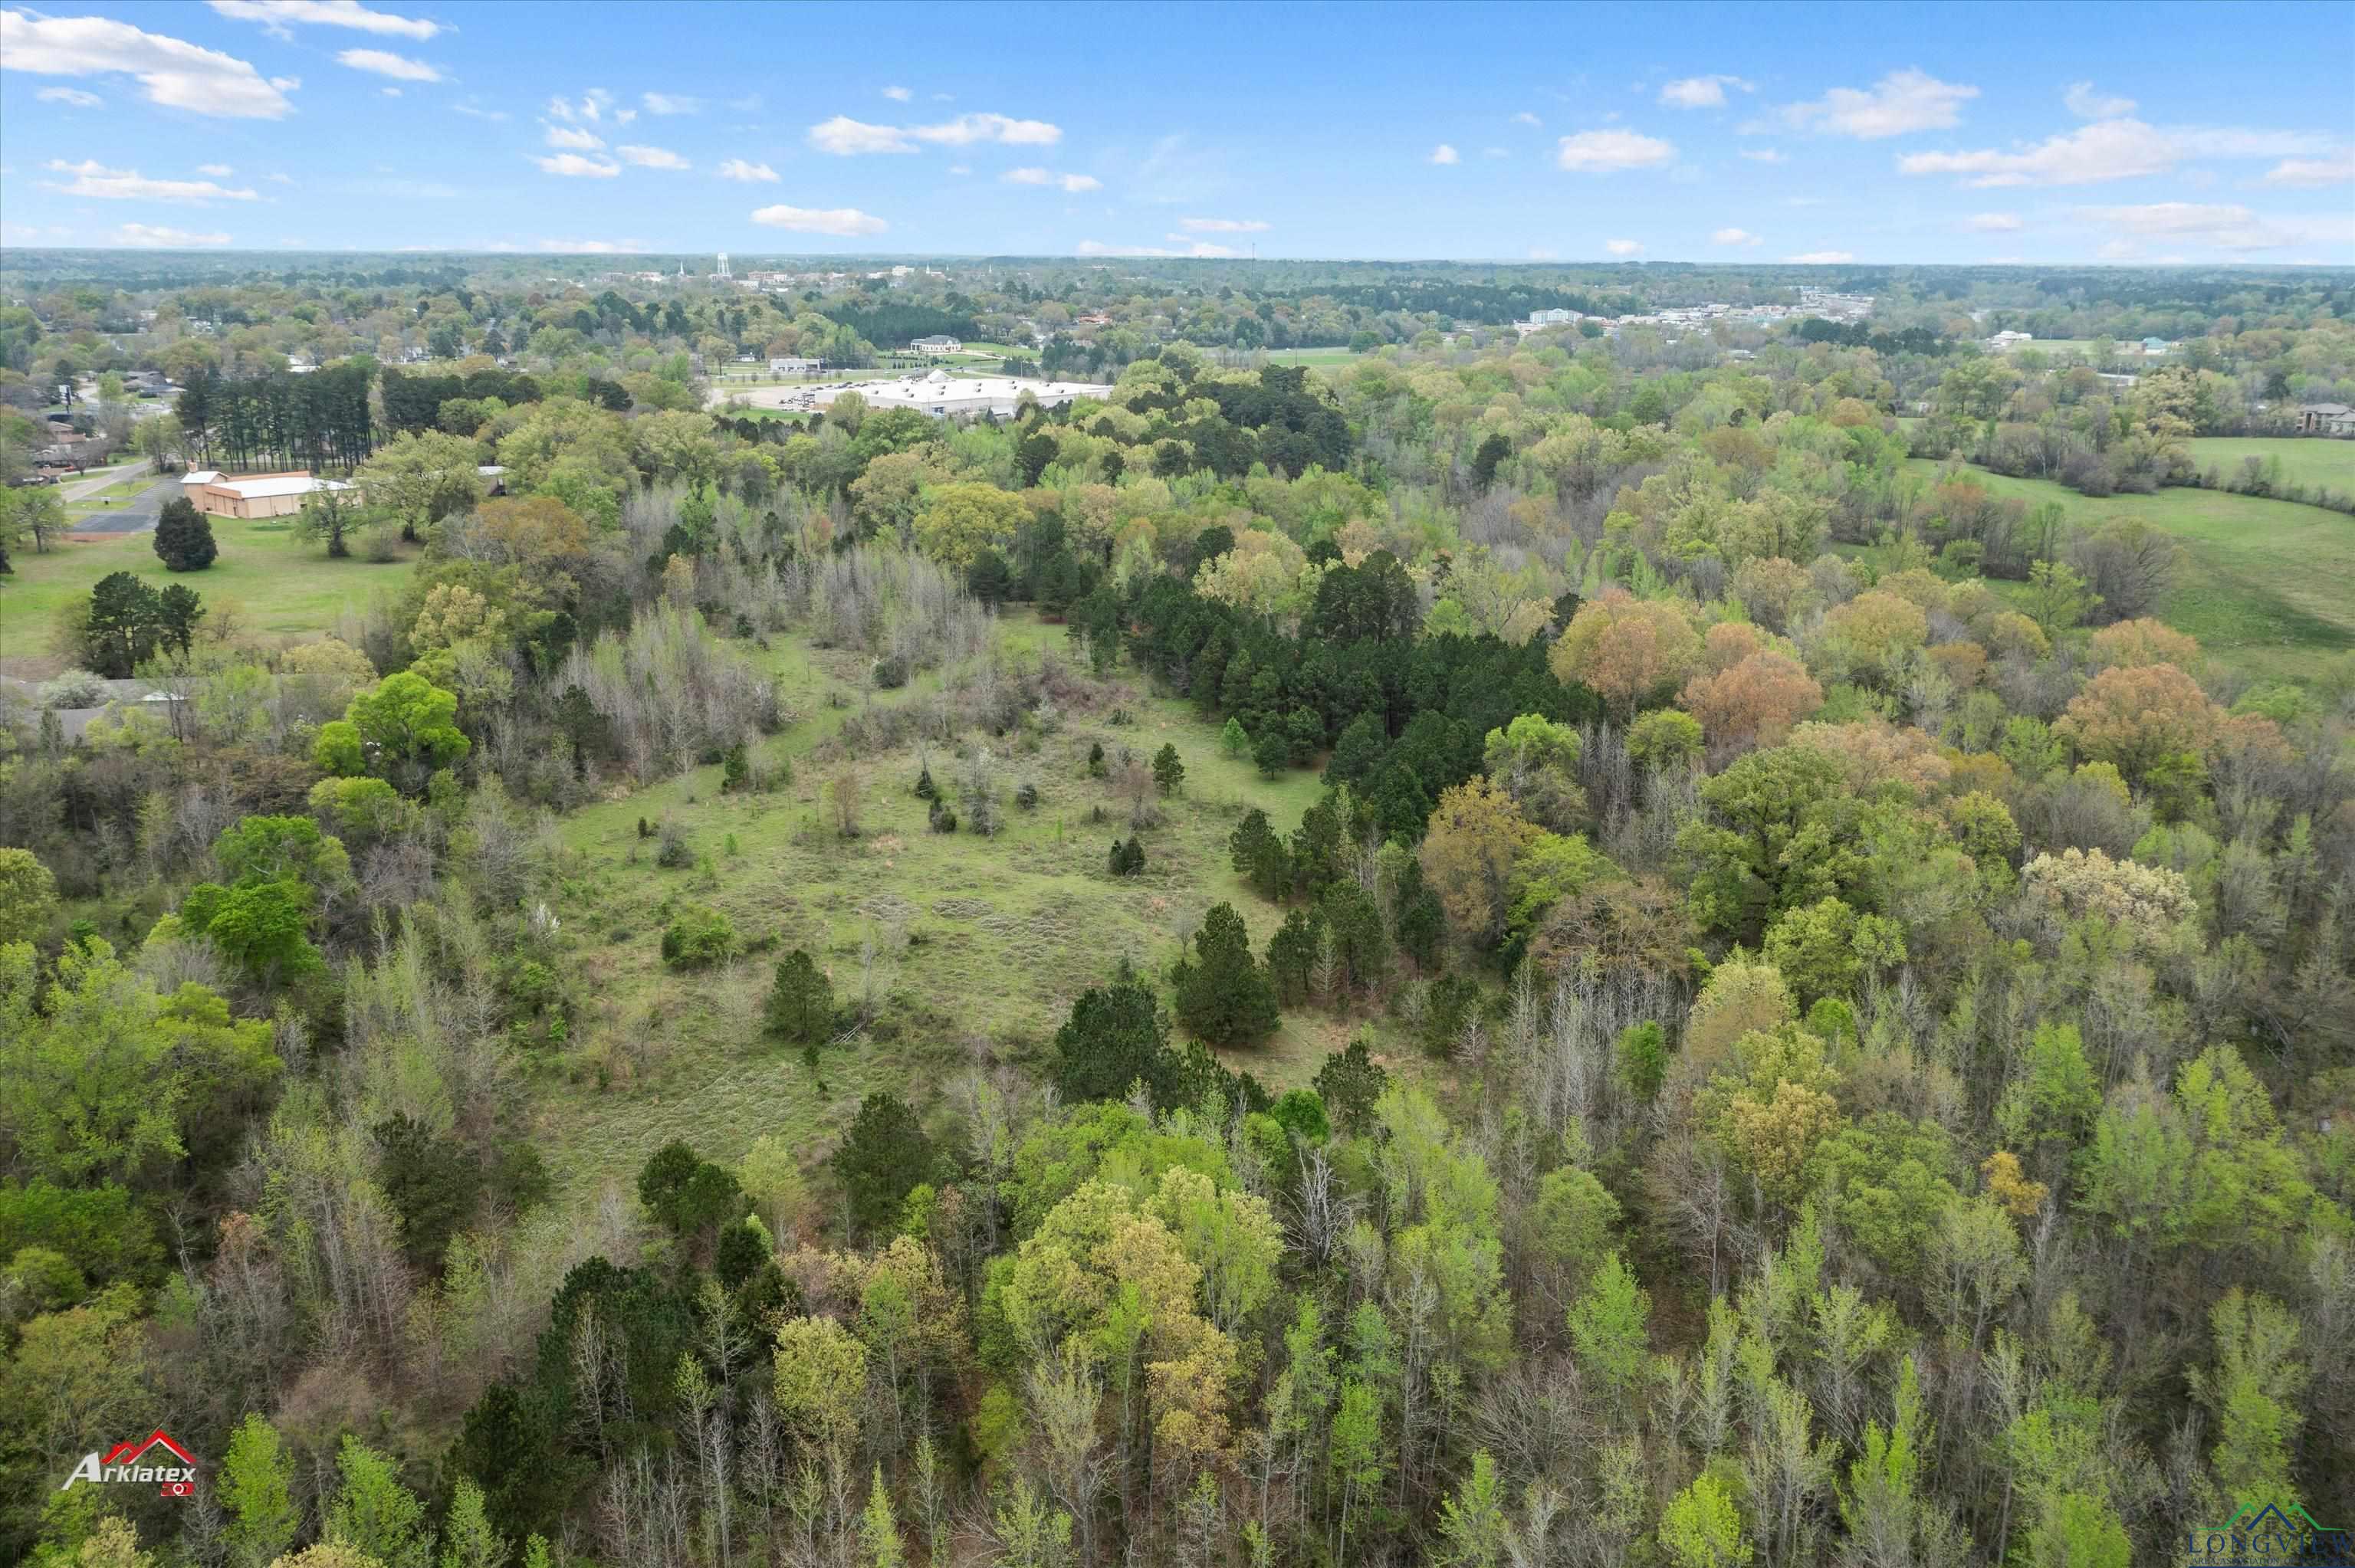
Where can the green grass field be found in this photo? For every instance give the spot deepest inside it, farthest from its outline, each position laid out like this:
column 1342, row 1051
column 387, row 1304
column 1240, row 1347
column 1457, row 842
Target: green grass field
column 2265, row 584
column 986, row 942
column 276, row 587
column 2324, row 464
column 1322, row 358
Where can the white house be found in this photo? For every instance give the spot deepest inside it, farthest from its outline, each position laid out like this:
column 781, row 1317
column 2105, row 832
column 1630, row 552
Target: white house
column 937, row 343
column 793, row 365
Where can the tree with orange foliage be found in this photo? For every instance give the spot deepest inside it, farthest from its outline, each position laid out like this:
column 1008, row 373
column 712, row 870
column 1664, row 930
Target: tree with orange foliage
column 1627, row 649
column 1879, row 622
column 2136, row 716
column 1873, row 752
column 2132, row 643
column 1476, row 833
column 1754, row 703
column 531, row 530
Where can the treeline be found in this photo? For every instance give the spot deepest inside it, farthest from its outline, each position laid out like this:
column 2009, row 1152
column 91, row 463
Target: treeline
column 412, row 402
column 1863, row 335
column 888, row 322
column 314, row 421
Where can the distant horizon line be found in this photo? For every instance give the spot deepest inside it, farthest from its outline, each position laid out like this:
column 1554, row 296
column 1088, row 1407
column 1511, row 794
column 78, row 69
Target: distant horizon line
column 905, row 257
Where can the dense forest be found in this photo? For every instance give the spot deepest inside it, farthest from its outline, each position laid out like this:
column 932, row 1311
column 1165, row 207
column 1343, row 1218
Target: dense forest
column 1767, row 1008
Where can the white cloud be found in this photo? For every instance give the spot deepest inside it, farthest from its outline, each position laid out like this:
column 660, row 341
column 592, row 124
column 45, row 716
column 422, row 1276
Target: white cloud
column 280, row 179
column 1525, row 117
column 845, row 222
column 960, row 168
column 277, row 13
column 898, row 94
column 148, row 236
column 1701, row 91
column 670, row 103
column 572, row 137
column 592, row 247
column 94, row 179
column 751, row 174
column 384, row 62
column 218, row 171
column 2107, row 150
column 1733, row 237
column 1071, row 183
column 2225, row 226
column 2086, row 104
column 651, row 157
column 967, row 129
column 1197, row 248
column 73, row 97
column 175, row 74
column 478, row 112
column 847, row 138
column 1762, row 156
column 1224, row 225
column 1991, row 223
column 1900, row 102
column 1603, row 151
column 593, row 105
column 1443, row 153
column 623, row 116
column 1623, row 246
column 575, row 165
column 390, row 92
column 2304, row 173
column 1819, row 259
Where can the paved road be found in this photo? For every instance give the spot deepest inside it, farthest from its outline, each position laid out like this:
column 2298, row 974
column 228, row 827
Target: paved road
column 91, row 485
column 132, row 516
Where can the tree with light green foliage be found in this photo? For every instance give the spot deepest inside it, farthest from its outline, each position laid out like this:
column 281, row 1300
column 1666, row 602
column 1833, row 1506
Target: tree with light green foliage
column 29, row 896
column 256, row 1488
column 1610, row 1329
column 2251, row 1397
column 1702, row 1528
column 372, row 1512
column 467, row 1539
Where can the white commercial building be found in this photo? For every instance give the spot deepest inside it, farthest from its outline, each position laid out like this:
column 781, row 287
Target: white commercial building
column 943, row 396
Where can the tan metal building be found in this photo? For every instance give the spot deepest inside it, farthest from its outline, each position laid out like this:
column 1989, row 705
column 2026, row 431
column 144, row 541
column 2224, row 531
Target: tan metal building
column 255, row 495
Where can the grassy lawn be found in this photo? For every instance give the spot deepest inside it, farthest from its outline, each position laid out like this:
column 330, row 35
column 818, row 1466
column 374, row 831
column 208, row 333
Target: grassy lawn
column 2325, row 464
column 2265, row 584
column 985, row 942
column 276, row 587
column 1323, row 358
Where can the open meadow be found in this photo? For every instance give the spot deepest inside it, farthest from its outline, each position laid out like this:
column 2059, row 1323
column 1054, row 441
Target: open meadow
column 2267, row 586
column 978, row 946
column 2308, row 461
column 273, row 587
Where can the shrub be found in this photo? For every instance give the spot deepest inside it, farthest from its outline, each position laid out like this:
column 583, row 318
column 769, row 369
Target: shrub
column 700, row 937
column 677, row 853
column 74, row 689
column 890, row 672
column 183, row 537
column 1027, row 796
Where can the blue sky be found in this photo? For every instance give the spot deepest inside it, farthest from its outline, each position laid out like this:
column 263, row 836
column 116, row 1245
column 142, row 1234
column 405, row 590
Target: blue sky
column 1987, row 133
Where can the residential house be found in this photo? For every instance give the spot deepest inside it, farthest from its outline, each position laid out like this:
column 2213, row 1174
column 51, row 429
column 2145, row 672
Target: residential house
column 2326, row 419
column 937, row 343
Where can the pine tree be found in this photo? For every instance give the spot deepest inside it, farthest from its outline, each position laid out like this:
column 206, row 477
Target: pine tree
column 800, row 1004
column 1232, row 742
column 925, row 788
column 1223, row 995
column 1168, row 772
column 184, row 536
column 1096, row 760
